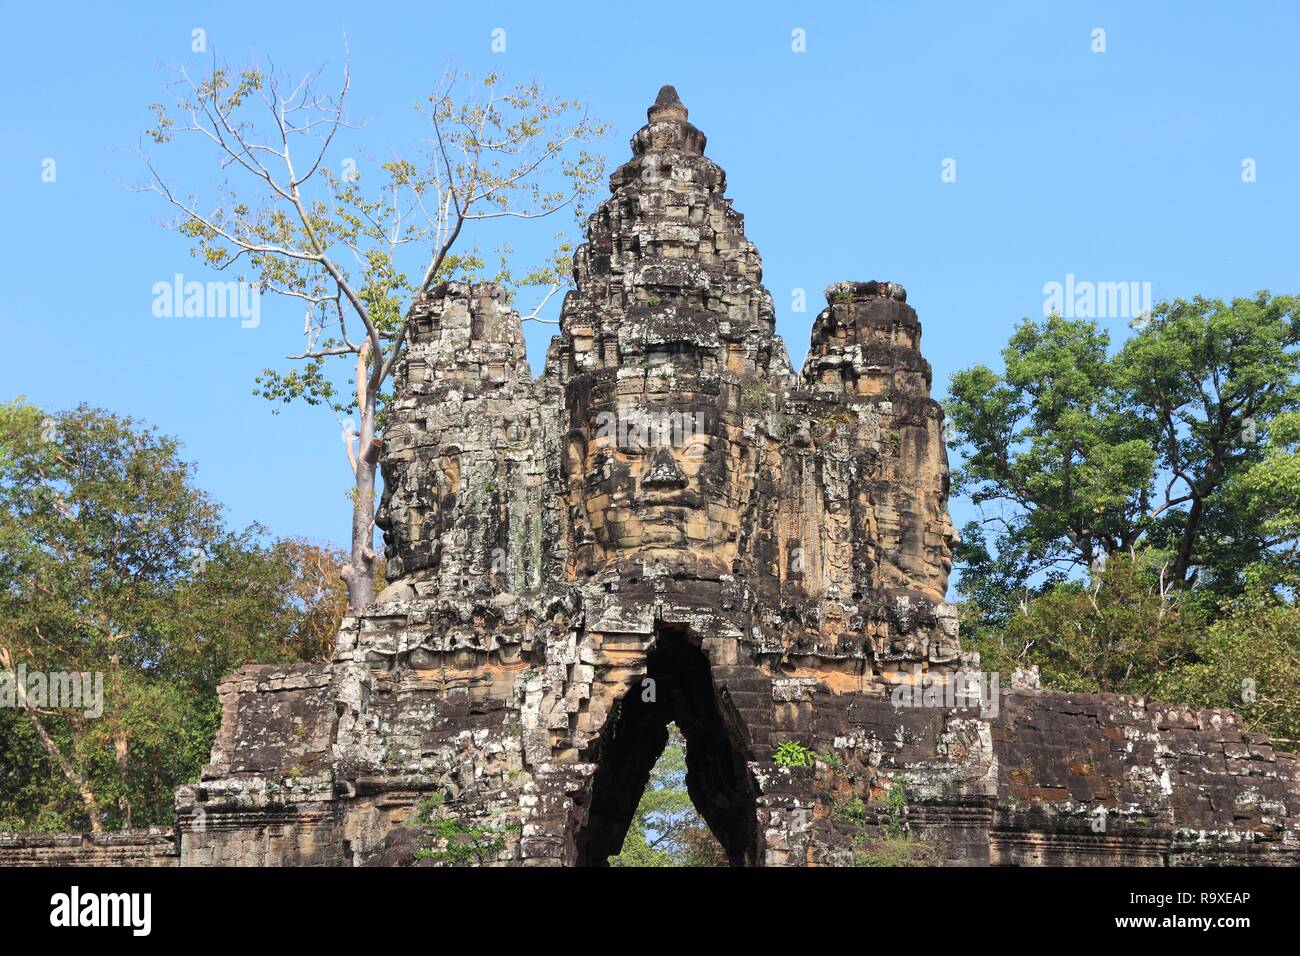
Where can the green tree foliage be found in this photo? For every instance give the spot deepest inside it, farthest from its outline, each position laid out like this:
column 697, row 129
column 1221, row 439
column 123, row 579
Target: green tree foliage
column 667, row 830
column 1169, row 471
column 1216, row 381
column 1126, row 631
column 1183, row 442
column 1114, row 632
column 113, row 563
column 1249, row 661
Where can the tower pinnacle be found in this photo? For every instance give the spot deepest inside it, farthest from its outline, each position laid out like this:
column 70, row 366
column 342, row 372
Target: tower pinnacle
column 667, row 106
column 667, row 127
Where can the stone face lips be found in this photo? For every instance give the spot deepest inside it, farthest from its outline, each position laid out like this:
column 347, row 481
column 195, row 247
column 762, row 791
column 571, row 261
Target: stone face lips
column 671, row 525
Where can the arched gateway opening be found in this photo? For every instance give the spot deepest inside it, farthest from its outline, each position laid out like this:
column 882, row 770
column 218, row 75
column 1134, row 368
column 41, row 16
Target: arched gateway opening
column 680, row 690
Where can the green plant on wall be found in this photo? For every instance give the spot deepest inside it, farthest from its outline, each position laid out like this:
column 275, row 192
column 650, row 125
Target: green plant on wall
column 425, row 808
column 852, row 810
column 895, row 847
column 894, row 851
column 757, row 394
column 896, row 808
column 791, row 753
column 464, row 845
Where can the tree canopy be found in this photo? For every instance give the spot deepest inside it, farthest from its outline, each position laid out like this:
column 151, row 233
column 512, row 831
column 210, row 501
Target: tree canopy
column 113, row 563
column 667, row 830
column 1181, row 441
column 1140, row 507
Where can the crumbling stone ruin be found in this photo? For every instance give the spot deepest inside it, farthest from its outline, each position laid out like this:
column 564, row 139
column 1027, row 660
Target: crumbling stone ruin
column 671, row 524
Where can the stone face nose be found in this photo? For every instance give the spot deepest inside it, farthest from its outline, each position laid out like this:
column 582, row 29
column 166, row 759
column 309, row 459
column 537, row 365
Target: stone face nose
column 663, row 472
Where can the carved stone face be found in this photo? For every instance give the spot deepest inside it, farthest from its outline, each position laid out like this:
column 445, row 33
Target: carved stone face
column 415, row 509
column 949, row 536
column 656, row 477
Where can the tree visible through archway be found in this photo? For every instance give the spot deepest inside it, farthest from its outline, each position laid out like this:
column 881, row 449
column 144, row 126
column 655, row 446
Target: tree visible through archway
column 666, row 829
column 678, row 690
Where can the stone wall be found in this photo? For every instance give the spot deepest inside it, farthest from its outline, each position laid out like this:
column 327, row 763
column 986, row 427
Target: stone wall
column 156, row 846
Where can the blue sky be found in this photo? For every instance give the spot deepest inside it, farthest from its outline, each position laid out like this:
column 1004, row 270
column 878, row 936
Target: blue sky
column 1124, row 165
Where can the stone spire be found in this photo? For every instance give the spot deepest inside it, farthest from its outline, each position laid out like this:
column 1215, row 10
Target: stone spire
column 462, row 462
column 667, row 127
column 666, row 266
column 667, row 105
column 666, row 325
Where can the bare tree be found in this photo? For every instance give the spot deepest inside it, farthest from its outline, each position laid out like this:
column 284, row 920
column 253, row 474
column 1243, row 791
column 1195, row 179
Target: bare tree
column 339, row 243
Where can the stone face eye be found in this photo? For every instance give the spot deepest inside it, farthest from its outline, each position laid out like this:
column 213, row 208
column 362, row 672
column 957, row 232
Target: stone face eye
column 696, row 447
column 630, row 446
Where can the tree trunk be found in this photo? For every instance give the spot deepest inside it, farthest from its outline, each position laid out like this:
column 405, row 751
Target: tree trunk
column 359, row 575
column 123, row 802
column 69, row 771
column 1187, row 546
column 120, row 748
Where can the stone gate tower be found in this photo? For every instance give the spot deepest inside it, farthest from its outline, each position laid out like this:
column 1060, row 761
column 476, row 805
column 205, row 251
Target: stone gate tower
column 670, row 524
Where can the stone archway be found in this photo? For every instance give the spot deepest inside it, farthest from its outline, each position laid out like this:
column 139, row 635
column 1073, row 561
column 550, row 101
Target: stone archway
column 717, row 776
